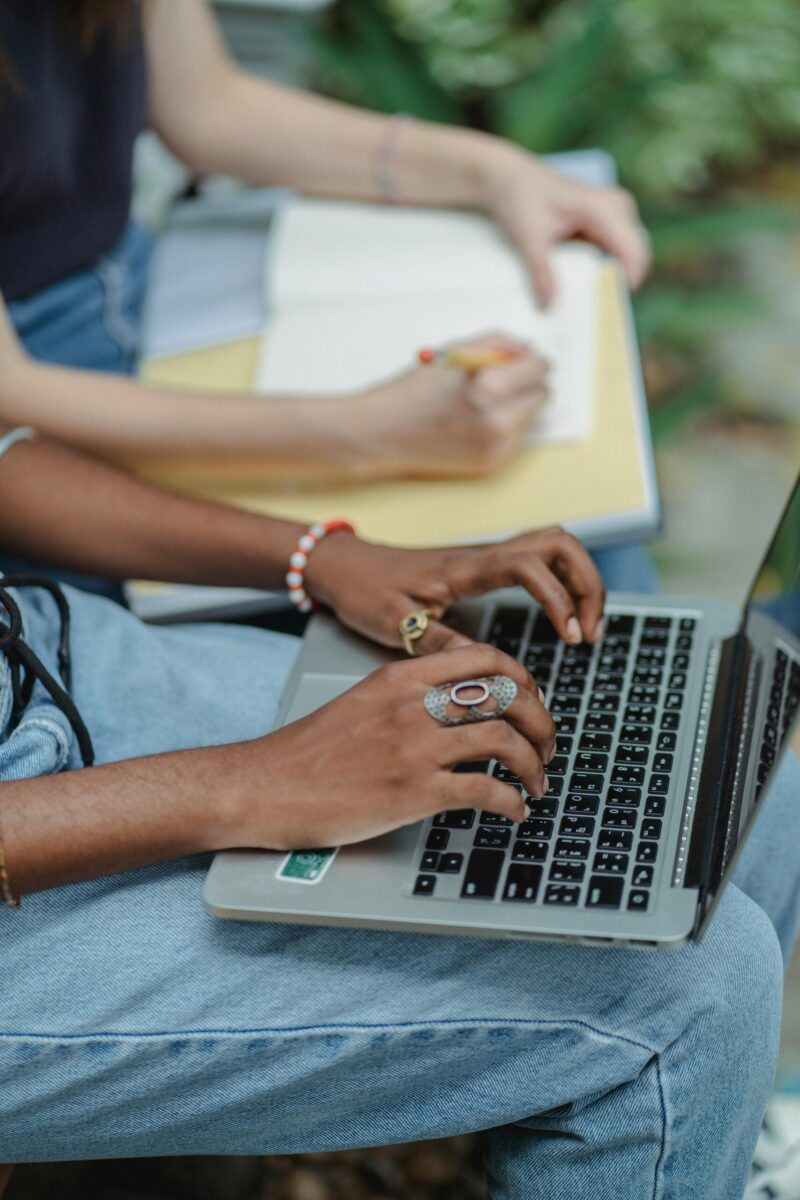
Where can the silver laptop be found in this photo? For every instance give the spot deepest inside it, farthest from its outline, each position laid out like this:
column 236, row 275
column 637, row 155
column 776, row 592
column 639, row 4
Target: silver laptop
column 669, row 735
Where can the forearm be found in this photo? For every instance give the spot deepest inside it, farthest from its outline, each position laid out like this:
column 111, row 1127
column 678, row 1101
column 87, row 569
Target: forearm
column 64, row 508
column 195, row 434
column 268, row 134
column 218, row 118
column 82, row 824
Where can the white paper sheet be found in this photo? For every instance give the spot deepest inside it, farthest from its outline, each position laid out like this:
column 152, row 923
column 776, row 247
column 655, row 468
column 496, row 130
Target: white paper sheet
column 356, row 291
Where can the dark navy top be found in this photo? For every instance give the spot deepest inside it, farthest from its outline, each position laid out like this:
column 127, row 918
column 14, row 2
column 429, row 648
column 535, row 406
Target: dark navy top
column 67, row 127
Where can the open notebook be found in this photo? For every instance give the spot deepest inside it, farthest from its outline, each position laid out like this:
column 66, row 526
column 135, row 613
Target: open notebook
column 355, row 292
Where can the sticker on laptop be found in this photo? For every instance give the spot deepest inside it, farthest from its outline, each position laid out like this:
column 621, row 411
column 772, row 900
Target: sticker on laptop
column 306, row 866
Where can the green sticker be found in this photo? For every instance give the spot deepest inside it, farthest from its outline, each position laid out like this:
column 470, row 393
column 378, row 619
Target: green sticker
column 306, row 866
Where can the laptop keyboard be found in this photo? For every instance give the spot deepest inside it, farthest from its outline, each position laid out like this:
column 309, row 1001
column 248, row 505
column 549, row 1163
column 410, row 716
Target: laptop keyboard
column 594, row 839
column 784, row 700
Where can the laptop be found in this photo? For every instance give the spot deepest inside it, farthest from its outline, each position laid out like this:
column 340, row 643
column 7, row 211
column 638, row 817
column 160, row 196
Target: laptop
column 670, row 733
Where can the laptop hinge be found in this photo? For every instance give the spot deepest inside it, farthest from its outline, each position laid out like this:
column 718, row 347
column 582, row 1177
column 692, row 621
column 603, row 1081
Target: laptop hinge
column 719, row 798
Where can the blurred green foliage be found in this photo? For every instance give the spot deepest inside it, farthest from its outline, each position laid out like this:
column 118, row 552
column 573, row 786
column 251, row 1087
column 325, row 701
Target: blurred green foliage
column 694, row 101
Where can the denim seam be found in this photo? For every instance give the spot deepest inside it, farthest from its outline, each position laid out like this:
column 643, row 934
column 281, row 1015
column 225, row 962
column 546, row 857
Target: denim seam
column 261, row 1031
column 659, row 1171
column 49, row 726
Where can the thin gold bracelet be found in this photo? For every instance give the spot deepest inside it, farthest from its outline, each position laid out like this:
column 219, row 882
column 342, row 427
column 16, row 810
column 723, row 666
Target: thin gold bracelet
column 10, row 899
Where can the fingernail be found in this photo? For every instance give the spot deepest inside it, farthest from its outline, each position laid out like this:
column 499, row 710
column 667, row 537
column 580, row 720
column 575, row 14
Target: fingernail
column 545, row 786
column 541, row 696
column 527, row 812
column 574, row 634
column 600, row 630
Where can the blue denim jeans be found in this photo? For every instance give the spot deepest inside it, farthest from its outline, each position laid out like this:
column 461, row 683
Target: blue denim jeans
column 132, row 1023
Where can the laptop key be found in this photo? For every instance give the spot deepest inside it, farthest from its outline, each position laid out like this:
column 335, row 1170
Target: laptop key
column 562, row 893
column 576, row 826
column 658, row 622
column 673, row 700
column 680, row 662
column 670, row 721
column 458, row 818
column 632, row 755
column 654, row 806
column 687, row 624
column 663, row 763
column 424, row 885
column 451, row 864
column 624, row 795
column 437, row 839
column 525, row 851
column 587, row 761
column 482, row 874
column 619, row 818
column 683, row 642
column 659, row 784
column 561, row 703
column 490, row 818
column 599, row 722
column 651, row 829
column 647, row 852
column 606, row 702
column 614, row 839
column 677, row 680
column 605, row 891
column 572, row 848
column 642, row 695
column 566, row 686
column 595, row 741
column 522, row 882
column 543, row 806
column 585, row 781
column 535, row 827
column 557, row 765
column 563, row 744
column 565, row 724
column 640, row 713
column 496, row 839
column 624, row 774
column 666, row 741
column 543, row 630
column 636, row 735
column 620, row 623
column 607, row 681
column 651, row 676
column 429, row 861
column 567, row 872
column 610, row 864
column 577, row 802
column 642, row 876
column 638, row 900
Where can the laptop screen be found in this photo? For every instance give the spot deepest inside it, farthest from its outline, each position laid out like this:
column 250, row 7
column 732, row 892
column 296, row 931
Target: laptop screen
column 772, row 615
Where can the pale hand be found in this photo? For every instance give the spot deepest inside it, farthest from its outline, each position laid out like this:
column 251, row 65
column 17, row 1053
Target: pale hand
column 440, row 420
column 538, row 208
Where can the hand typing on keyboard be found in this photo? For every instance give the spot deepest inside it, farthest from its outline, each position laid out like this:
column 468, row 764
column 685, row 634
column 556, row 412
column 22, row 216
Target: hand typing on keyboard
column 375, row 759
column 371, row 588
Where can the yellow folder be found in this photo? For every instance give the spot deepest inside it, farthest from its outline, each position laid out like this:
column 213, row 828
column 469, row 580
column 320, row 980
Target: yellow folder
column 603, row 489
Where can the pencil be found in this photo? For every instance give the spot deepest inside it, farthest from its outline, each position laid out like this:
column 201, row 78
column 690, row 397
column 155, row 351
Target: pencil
column 468, row 358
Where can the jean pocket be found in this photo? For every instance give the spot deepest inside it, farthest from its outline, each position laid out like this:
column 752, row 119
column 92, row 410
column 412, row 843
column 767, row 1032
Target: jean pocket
column 38, row 745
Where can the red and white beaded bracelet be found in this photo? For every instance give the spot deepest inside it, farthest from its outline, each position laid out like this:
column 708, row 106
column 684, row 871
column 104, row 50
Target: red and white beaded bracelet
column 298, row 561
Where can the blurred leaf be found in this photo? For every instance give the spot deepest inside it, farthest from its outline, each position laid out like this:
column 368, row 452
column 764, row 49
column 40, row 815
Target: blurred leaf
column 376, row 67
column 688, row 318
column 688, row 404
column 549, row 110
column 678, row 233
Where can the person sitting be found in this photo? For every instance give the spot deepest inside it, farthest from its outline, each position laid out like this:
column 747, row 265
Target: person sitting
column 78, row 80
column 132, row 1023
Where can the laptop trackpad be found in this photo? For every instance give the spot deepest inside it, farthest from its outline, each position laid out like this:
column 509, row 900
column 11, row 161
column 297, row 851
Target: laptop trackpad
column 314, row 690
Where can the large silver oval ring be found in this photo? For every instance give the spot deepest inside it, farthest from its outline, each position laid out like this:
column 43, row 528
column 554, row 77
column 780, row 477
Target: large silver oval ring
column 482, row 699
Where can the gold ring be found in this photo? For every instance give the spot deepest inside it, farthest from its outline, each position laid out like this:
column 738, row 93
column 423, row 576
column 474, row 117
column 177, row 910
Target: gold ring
column 412, row 628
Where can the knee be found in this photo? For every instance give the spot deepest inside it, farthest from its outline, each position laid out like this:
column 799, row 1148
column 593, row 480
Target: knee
column 743, row 984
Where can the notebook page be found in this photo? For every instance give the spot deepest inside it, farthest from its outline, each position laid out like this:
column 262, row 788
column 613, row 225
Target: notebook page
column 357, row 291
column 334, row 250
